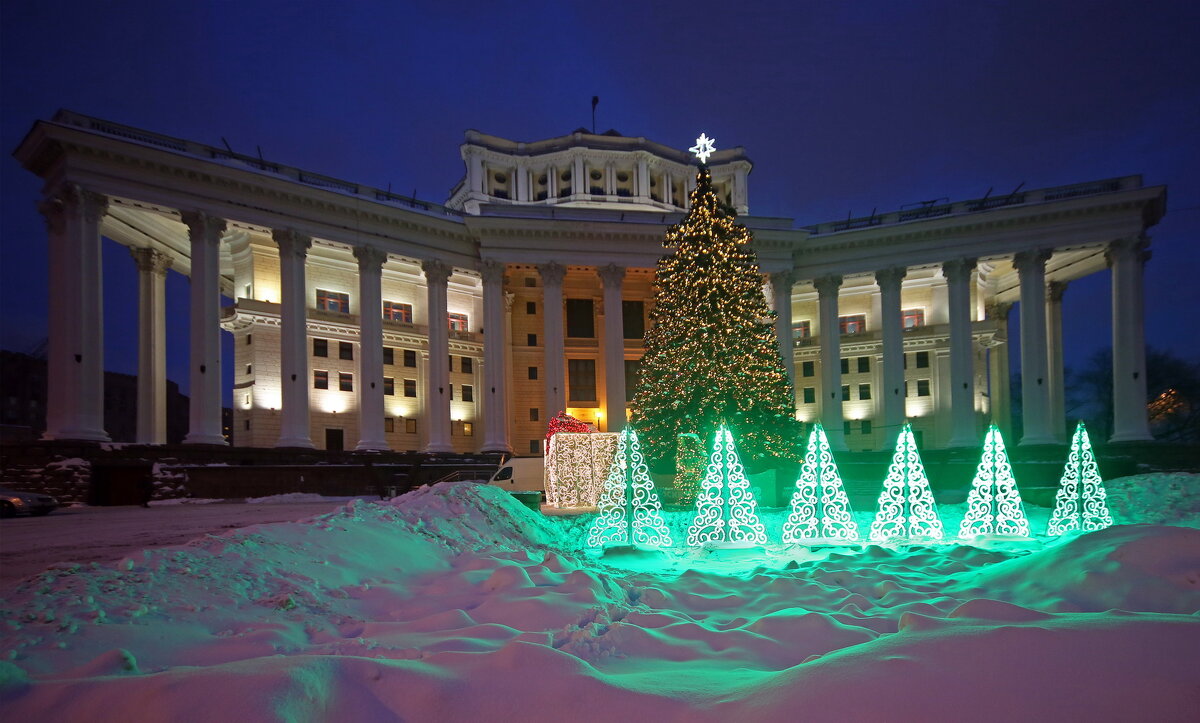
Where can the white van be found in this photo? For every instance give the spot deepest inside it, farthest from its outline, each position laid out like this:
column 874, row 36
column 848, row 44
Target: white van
column 521, row 474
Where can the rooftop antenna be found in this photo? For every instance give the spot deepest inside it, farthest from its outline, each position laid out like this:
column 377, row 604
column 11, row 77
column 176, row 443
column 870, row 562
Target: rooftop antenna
column 595, row 102
column 262, row 163
column 227, row 146
column 1015, row 190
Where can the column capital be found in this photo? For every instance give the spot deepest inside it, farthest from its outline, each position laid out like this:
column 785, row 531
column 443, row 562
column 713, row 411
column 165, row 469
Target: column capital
column 958, row 269
column 203, row 226
column 370, row 259
column 150, row 260
column 891, row 276
column 997, row 309
column 492, row 271
column 827, row 285
column 291, row 242
column 509, row 297
column 436, row 272
column 552, row 273
column 1135, row 247
column 782, row 279
column 1054, row 291
column 612, row 276
column 54, row 213
column 1026, row 261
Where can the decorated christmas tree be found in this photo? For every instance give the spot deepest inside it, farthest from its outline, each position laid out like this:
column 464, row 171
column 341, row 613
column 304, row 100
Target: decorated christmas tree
column 711, row 352
column 630, row 513
column 994, row 505
column 820, row 508
column 725, row 511
column 906, row 506
column 1080, row 500
column 690, row 460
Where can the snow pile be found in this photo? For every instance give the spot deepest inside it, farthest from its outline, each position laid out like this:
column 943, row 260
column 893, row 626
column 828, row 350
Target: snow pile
column 457, row 603
column 1163, row 498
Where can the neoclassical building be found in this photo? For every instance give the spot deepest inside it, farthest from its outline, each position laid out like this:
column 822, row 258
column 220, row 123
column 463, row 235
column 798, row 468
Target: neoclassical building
column 362, row 319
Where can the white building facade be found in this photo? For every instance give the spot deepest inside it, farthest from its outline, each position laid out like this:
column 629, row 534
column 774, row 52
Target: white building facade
column 365, row 320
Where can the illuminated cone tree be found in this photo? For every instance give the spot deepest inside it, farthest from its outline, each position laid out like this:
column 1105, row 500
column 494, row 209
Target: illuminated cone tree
column 711, row 352
column 820, row 508
column 630, row 513
column 725, row 510
column 1081, row 498
column 906, row 506
column 994, row 504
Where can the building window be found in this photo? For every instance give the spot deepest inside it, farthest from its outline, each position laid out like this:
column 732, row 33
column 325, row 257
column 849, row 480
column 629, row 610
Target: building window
column 802, row 329
column 468, row 393
column 913, row 318
column 320, row 347
column 581, row 380
column 922, row 360
column 395, row 311
column 333, row 301
column 808, row 369
column 906, row 387
column 345, row 382
column 249, row 369
column 450, row 388
column 533, row 372
column 853, row 324
column 531, row 340
column 864, row 391
column 389, row 355
column 451, row 362
column 633, row 319
column 864, row 364
column 535, row 446
column 530, row 282
column 922, row 387
column 468, row 429
column 468, row 365
column 846, row 427
column 533, row 414
column 631, row 370
column 248, row 339
column 410, row 426
column 246, row 425
column 458, row 322
column 531, row 307
column 346, row 350
column 866, row 426
column 410, row 387
column 389, row 387
column 410, row 358
column 845, row 392
column 320, row 379
column 810, row 395
column 580, row 319
column 389, row 425
column 845, row 366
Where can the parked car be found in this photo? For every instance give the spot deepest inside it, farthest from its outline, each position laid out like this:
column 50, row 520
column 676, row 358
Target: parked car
column 14, row 503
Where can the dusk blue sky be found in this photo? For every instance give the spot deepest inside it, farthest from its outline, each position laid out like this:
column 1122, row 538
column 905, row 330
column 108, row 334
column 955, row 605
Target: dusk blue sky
column 843, row 106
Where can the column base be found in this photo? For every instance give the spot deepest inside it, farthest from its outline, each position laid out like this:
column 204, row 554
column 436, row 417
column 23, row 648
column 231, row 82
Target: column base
column 368, row 445
column 1131, row 437
column 438, row 448
column 295, row 443
column 960, row 442
column 78, row 435
column 500, row 447
column 1042, row 440
column 215, row 439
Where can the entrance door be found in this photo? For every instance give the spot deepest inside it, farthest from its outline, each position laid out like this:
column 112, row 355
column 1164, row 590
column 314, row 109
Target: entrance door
column 333, row 440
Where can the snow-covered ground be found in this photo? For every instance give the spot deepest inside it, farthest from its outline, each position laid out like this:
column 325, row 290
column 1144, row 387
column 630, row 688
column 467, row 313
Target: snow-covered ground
column 456, row 603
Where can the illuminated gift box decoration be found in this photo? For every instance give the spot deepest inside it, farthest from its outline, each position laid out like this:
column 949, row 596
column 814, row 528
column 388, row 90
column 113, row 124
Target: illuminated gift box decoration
column 576, row 467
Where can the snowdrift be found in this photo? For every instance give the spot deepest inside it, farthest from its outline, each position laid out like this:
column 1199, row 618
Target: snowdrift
column 457, row 603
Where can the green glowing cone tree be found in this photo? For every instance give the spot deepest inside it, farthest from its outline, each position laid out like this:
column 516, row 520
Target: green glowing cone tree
column 820, row 508
column 906, row 506
column 725, row 510
column 1080, row 502
column 994, row 504
column 711, row 353
column 630, row 513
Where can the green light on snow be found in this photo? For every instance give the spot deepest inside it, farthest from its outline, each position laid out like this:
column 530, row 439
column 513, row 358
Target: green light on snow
column 1080, row 500
column 630, row 513
column 906, row 506
column 725, row 510
column 820, row 508
column 994, row 505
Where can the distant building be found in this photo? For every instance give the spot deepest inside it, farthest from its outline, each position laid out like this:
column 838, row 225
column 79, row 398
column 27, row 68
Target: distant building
column 363, row 319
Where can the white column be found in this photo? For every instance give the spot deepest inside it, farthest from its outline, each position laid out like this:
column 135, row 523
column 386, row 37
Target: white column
column 831, row 360
column 475, row 175
column 204, row 405
column 152, row 268
column 75, row 350
column 371, row 436
column 438, row 389
column 1056, row 391
column 613, row 278
column 552, row 317
column 999, row 391
column 643, row 179
column 494, row 394
column 668, row 192
column 294, row 428
column 962, row 364
column 891, row 322
column 1031, row 268
column 1127, row 258
column 781, row 289
column 579, row 180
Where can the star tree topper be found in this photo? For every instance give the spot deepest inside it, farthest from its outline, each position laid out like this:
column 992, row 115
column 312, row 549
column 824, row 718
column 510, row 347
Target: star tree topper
column 704, row 147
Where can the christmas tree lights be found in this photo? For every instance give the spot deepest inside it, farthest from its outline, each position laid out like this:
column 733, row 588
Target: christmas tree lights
column 994, row 504
column 690, row 460
column 630, row 513
column 820, row 508
column 1080, row 502
column 725, row 511
column 711, row 351
column 906, row 506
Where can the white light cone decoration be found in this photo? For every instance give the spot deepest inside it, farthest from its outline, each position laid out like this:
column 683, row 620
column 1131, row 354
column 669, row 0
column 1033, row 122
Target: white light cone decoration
column 630, row 513
column 1080, row 500
column 906, row 506
column 820, row 508
column 994, row 505
column 725, row 510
